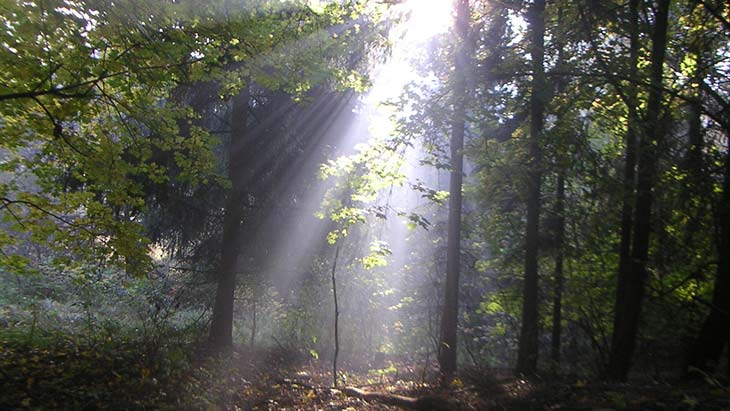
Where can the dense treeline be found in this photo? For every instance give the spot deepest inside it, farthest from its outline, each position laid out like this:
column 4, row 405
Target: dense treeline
column 553, row 198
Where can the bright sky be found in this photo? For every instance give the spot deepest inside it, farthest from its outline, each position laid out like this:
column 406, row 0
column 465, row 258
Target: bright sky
column 427, row 18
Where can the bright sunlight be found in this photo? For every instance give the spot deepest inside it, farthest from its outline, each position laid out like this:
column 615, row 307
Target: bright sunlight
column 428, row 17
column 269, row 205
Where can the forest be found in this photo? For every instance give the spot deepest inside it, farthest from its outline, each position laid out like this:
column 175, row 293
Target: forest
column 365, row 204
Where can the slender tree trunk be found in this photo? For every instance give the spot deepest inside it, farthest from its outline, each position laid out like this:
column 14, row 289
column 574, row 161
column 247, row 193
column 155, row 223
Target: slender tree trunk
column 561, row 159
column 695, row 162
column 707, row 349
column 450, row 313
column 705, row 352
column 626, row 328
column 696, row 186
column 629, row 181
column 253, row 318
column 337, row 317
column 221, row 326
column 528, row 344
column 558, row 277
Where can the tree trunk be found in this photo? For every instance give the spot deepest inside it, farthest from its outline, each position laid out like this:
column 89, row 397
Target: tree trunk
column 627, row 316
column 337, row 317
column 558, row 277
column 528, row 344
column 695, row 161
column 695, row 164
column 221, row 326
column 450, row 312
column 707, row 349
column 629, row 183
column 561, row 158
column 253, row 318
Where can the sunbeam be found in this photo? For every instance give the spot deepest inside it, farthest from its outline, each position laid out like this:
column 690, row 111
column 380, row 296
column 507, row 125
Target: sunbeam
column 364, row 204
column 342, row 126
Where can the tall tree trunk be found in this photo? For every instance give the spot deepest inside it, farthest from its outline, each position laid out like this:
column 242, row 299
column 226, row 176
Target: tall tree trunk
column 707, row 349
column 528, row 346
column 558, row 275
column 253, row 318
column 695, row 165
column 221, row 326
column 561, row 157
column 695, row 161
column 337, row 317
column 627, row 324
column 629, row 180
column 450, row 312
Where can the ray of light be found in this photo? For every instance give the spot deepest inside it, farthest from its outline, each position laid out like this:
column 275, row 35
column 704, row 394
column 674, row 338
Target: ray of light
column 339, row 127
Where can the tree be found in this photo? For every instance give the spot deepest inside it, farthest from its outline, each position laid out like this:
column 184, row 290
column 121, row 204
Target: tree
column 651, row 136
column 713, row 101
column 221, row 326
column 712, row 338
column 629, row 176
column 249, row 158
column 559, row 231
column 83, row 108
column 450, row 313
column 528, row 346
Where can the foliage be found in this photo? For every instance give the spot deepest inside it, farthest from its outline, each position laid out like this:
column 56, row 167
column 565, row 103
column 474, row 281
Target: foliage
column 115, row 180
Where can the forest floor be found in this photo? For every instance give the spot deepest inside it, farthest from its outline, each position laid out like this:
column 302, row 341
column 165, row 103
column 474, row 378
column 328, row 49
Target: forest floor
column 65, row 373
column 499, row 390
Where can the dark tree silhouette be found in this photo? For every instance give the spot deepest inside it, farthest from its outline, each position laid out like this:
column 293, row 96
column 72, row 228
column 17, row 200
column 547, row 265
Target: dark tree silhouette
column 628, row 314
column 450, row 313
column 528, row 345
